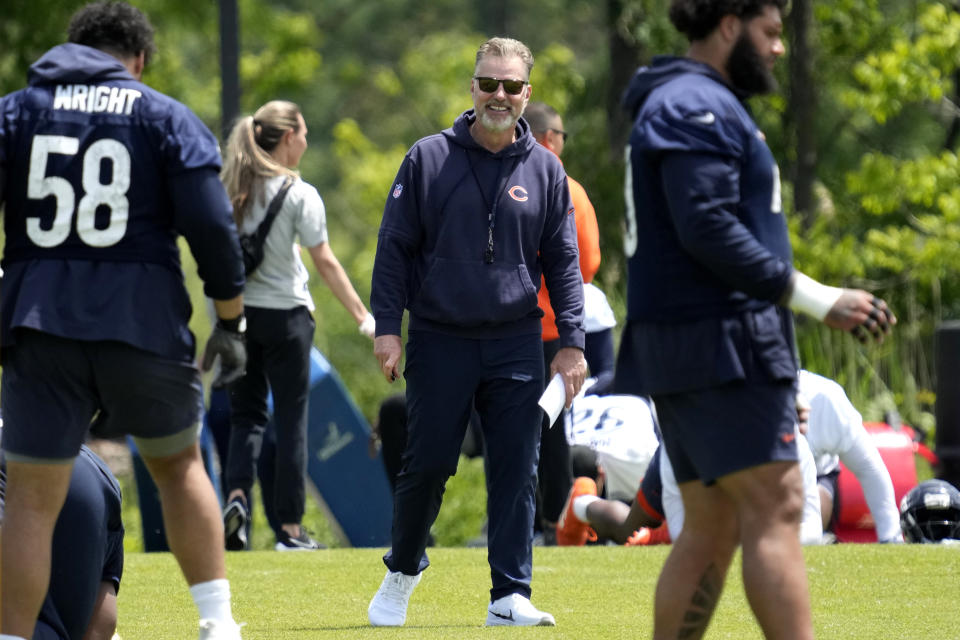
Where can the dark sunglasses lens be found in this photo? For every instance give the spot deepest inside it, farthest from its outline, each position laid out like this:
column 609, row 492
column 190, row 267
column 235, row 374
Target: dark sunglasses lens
column 487, row 85
column 513, row 87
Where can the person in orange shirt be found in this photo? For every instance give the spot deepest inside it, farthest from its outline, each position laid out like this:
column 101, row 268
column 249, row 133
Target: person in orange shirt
column 555, row 473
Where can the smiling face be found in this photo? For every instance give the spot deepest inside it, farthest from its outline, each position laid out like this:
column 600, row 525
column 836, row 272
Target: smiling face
column 498, row 112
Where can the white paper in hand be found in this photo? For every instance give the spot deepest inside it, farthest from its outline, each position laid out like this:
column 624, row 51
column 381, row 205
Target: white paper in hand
column 554, row 398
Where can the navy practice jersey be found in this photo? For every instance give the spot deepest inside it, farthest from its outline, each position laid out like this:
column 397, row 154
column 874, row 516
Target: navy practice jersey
column 100, row 174
column 708, row 250
column 706, row 232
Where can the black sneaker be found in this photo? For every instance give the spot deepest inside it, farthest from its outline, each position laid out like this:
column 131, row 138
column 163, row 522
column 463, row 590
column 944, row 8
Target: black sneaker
column 235, row 525
column 302, row 542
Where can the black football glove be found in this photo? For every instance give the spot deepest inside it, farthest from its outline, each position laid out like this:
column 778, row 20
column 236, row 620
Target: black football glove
column 232, row 349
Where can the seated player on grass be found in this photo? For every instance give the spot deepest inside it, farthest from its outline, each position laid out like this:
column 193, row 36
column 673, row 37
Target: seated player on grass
column 613, row 444
column 87, row 560
column 615, row 420
column 836, row 435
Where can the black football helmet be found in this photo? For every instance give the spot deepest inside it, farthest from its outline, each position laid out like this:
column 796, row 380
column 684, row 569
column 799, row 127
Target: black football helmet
column 930, row 512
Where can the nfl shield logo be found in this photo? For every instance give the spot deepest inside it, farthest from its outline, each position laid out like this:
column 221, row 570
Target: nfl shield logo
column 397, row 190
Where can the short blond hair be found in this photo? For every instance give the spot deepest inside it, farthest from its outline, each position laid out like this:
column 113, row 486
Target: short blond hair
column 505, row 48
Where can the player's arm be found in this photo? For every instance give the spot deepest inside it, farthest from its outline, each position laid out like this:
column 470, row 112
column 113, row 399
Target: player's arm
column 103, row 623
column 203, row 215
column 853, row 310
column 703, row 193
column 863, row 459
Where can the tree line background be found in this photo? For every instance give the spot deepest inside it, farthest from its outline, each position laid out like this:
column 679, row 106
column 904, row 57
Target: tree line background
column 865, row 128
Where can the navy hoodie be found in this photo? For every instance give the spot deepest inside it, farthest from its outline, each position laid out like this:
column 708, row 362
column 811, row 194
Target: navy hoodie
column 707, row 243
column 100, row 174
column 466, row 234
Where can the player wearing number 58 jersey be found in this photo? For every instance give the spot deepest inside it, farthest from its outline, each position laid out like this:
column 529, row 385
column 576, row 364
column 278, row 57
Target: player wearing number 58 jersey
column 99, row 174
column 102, row 172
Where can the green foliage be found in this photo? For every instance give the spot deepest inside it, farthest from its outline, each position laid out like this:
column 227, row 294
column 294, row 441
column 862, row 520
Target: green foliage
column 914, row 66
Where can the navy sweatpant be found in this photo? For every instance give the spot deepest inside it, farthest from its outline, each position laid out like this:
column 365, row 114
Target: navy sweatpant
column 444, row 375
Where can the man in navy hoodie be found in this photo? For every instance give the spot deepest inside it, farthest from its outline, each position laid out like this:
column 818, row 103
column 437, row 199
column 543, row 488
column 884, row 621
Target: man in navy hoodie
column 99, row 173
column 474, row 217
column 709, row 332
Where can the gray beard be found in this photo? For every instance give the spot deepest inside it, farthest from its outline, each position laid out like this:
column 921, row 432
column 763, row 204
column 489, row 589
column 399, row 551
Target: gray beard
column 497, row 125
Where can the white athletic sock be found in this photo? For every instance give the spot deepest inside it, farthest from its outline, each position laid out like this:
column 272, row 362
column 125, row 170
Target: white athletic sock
column 4, row 636
column 213, row 600
column 580, row 505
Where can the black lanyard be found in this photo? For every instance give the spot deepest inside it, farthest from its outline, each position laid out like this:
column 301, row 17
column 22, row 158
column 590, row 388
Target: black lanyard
column 491, row 209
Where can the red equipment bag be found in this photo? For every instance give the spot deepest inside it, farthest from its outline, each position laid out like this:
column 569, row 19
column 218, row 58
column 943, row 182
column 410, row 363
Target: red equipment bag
column 897, row 447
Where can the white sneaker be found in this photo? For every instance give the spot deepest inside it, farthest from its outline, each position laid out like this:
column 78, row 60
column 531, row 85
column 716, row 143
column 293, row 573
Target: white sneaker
column 217, row 630
column 515, row 610
column 389, row 606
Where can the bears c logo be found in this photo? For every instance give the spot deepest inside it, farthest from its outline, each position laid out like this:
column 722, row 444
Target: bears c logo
column 518, row 193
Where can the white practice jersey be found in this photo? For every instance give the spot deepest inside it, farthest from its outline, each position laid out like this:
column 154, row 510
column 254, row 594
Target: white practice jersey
column 811, row 527
column 620, row 428
column 837, row 434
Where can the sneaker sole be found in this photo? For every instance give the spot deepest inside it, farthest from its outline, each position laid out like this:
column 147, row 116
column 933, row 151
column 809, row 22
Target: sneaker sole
column 496, row 621
column 233, row 524
column 282, row 547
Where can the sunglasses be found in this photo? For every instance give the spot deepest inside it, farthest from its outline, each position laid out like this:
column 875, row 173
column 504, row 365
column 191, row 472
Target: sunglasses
column 489, row 85
column 560, row 132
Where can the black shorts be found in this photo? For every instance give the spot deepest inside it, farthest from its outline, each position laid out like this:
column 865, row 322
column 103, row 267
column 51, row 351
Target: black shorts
column 56, row 389
column 716, row 431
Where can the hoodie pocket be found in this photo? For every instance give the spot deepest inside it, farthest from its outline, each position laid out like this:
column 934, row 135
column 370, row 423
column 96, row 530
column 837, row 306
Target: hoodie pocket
column 471, row 293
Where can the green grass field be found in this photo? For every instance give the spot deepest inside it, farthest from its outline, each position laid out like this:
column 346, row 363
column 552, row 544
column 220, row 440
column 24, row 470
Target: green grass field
column 868, row 592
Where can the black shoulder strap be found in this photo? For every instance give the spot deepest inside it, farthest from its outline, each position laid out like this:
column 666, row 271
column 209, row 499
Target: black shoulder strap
column 273, row 209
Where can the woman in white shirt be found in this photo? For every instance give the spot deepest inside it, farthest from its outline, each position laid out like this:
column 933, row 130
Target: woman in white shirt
column 262, row 152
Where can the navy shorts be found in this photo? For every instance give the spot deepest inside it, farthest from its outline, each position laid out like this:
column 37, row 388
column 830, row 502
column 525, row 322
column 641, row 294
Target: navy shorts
column 712, row 432
column 56, row 389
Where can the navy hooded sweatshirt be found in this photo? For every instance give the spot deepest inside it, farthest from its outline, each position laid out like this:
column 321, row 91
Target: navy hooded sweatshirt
column 99, row 175
column 466, row 234
column 707, row 244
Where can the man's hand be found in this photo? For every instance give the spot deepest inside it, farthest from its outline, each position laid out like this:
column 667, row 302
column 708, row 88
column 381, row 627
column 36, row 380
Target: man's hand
column 861, row 313
column 569, row 363
column 231, row 347
column 388, row 350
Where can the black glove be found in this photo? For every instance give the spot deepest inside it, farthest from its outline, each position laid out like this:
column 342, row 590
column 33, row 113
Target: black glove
column 230, row 345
